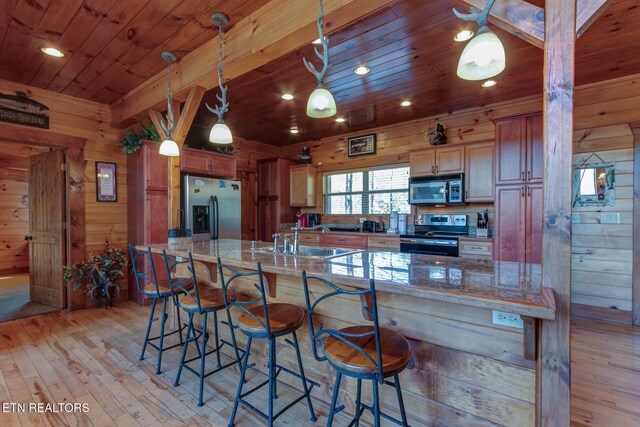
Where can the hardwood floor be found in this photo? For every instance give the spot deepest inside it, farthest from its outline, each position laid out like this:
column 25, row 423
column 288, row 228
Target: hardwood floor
column 91, row 356
column 14, row 298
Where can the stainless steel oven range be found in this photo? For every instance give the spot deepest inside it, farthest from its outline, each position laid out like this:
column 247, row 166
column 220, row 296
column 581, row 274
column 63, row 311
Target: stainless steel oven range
column 435, row 235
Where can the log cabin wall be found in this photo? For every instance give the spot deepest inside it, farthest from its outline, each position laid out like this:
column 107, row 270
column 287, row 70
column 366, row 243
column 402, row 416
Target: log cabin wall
column 602, row 260
column 85, row 119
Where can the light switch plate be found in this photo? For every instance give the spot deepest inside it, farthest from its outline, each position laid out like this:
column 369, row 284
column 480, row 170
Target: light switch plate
column 610, row 218
column 575, row 218
column 507, row 319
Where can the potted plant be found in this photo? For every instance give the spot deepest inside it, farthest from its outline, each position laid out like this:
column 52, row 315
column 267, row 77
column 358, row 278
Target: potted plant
column 133, row 141
column 98, row 275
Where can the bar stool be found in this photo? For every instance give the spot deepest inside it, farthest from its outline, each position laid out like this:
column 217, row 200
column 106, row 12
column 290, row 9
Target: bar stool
column 361, row 352
column 266, row 321
column 147, row 283
column 197, row 301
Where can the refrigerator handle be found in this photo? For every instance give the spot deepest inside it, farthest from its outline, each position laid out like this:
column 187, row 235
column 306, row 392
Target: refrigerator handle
column 212, row 219
column 216, row 218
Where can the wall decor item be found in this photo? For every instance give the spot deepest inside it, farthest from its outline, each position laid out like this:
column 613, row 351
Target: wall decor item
column 305, row 157
column 360, row 145
column 20, row 109
column 106, row 188
column 436, row 136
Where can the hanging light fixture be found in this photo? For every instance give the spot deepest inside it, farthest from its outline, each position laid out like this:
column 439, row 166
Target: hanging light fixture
column 220, row 132
column 321, row 103
column 169, row 146
column 483, row 57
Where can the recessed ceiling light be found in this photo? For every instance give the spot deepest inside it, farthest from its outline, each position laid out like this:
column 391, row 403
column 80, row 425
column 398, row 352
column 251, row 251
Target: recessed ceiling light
column 317, row 41
column 287, row 97
column 489, row 83
column 463, row 36
column 406, row 103
column 341, row 120
column 362, row 70
column 294, row 130
column 52, row 51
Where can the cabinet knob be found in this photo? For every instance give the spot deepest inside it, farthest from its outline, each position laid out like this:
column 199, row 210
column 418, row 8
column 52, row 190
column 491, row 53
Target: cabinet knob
column 28, row 237
column 528, row 175
column 522, row 176
column 522, row 191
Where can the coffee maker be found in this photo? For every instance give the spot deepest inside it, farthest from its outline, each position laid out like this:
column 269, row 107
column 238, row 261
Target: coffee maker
column 313, row 219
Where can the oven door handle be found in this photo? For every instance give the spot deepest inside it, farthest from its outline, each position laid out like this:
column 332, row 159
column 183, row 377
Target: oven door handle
column 429, row 242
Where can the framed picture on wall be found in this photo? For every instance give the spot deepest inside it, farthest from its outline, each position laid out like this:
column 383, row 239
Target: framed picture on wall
column 361, row 145
column 106, row 188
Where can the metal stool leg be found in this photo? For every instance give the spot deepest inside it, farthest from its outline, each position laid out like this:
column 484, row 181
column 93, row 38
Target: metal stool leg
column 403, row 414
column 177, row 306
column 146, row 337
column 215, row 330
column 184, row 349
column 334, row 399
column 245, row 361
column 358, row 399
column 163, row 321
column 305, row 386
column 376, row 404
column 272, row 378
column 202, row 358
column 272, row 348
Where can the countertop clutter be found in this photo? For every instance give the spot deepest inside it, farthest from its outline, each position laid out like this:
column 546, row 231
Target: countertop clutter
column 506, row 286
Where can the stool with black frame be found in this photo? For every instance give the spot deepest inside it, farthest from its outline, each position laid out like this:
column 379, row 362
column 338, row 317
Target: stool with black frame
column 147, row 283
column 361, row 352
column 266, row 321
column 194, row 303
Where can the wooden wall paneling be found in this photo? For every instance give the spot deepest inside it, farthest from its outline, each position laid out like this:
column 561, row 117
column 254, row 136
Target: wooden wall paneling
column 554, row 366
column 635, row 128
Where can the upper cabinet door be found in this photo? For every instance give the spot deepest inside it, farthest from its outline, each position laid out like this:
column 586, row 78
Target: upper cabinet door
column 480, row 175
column 194, row 161
column 510, row 223
column 423, row 163
column 511, row 151
column 449, row 160
column 302, row 184
column 156, row 167
column 535, row 155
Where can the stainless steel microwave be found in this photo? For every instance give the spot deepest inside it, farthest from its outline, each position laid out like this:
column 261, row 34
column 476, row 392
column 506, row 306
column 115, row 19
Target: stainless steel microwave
column 437, row 190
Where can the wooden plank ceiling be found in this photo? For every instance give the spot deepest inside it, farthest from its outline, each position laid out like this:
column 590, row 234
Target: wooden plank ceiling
column 410, row 50
column 111, row 46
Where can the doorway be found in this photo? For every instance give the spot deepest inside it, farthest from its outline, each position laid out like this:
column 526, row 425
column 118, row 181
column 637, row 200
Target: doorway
column 32, row 193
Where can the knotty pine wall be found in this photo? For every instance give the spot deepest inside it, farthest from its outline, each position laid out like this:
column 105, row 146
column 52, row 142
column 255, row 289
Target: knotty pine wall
column 85, row 119
column 602, row 264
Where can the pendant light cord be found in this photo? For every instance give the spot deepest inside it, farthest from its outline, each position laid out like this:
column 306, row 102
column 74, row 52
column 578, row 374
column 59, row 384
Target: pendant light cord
column 480, row 17
column 170, row 118
column 324, row 56
column 219, row 110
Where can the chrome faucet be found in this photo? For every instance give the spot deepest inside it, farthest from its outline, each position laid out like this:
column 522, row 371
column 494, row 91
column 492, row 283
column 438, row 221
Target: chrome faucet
column 286, row 244
column 296, row 239
column 322, row 228
column 276, row 241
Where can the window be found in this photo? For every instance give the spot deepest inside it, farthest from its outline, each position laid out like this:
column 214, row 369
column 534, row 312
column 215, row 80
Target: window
column 374, row 191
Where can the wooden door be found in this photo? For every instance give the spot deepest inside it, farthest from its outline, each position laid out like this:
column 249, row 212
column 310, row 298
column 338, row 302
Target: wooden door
column 46, row 218
column 449, row 160
column 510, row 151
column 535, row 219
column 422, row 163
column 265, row 219
column 266, row 178
column 509, row 235
column 480, row 174
column 249, row 205
column 535, row 154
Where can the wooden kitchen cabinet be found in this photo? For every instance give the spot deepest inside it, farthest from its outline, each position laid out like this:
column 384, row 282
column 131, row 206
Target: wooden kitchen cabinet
column 437, row 161
column 476, row 248
column 302, row 186
column 273, row 197
column 205, row 163
column 534, row 222
column 519, row 156
column 310, row 239
column 479, row 172
column 384, row 243
column 343, row 241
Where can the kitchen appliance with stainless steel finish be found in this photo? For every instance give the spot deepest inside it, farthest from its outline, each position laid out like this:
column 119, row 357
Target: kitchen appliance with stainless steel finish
column 437, row 190
column 435, row 235
column 212, row 207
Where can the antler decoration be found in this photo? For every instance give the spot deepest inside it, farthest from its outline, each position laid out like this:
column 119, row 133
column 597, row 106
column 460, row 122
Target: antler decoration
column 219, row 110
column 324, row 56
column 168, row 125
column 476, row 15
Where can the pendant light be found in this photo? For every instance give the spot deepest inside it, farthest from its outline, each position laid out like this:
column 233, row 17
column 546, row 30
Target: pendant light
column 220, row 132
column 321, row 103
column 483, row 57
column 169, row 146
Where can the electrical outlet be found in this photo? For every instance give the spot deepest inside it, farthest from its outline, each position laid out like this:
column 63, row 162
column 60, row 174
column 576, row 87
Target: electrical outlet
column 575, row 218
column 179, row 259
column 610, row 218
column 507, row 319
column 362, row 220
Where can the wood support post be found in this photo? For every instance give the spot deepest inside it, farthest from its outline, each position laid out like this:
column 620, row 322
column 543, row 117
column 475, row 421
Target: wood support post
column 635, row 294
column 157, row 120
column 559, row 72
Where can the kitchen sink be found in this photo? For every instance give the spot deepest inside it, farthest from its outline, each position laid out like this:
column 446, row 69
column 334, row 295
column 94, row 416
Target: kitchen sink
column 312, row 252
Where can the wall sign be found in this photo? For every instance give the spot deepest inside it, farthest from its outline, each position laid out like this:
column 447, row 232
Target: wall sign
column 106, row 188
column 20, row 109
column 360, row 145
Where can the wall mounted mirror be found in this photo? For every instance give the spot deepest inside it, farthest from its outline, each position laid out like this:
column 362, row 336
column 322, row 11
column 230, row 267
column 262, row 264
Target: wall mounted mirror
column 594, row 184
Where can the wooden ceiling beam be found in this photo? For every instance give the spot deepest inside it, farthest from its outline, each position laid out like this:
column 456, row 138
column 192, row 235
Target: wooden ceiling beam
column 254, row 41
column 588, row 11
column 518, row 17
column 157, row 119
column 191, row 105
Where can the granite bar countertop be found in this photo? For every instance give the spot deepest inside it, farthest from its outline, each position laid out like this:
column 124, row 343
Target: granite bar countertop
column 497, row 285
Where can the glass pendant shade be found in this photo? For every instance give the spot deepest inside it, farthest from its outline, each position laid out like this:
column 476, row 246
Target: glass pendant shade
column 483, row 57
column 321, row 104
column 220, row 134
column 169, row 148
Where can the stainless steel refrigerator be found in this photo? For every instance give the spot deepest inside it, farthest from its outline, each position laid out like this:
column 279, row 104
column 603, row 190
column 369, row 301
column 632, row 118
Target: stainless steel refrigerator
column 212, row 208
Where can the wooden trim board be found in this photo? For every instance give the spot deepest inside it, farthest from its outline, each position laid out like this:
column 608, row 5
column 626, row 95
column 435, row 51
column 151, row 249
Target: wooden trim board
column 635, row 299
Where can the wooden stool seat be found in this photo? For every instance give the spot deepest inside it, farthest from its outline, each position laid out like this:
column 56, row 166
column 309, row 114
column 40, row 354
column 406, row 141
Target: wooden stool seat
column 282, row 317
column 395, row 350
column 210, row 299
column 164, row 288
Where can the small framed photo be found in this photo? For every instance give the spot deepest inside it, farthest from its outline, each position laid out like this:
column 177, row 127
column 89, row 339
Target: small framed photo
column 361, row 145
column 106, row 188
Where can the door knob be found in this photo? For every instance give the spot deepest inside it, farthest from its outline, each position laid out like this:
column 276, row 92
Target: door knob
column 28, row 237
